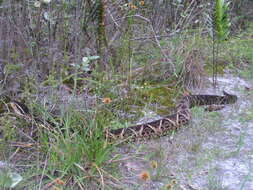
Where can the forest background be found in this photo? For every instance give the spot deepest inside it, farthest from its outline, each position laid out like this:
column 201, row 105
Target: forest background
column 100, row 63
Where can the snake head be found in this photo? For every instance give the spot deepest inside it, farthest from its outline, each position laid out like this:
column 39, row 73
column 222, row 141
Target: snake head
column 230, row 97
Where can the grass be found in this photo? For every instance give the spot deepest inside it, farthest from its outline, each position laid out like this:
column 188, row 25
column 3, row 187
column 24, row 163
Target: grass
column 80, row 150
column 214, row 181
column 76, row 149
column 76, row 154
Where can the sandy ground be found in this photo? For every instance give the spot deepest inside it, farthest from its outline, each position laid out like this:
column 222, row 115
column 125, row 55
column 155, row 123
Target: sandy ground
column 214, row 152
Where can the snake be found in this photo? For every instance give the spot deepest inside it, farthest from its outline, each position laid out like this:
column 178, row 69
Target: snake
column 171, row 122
column 181, row 116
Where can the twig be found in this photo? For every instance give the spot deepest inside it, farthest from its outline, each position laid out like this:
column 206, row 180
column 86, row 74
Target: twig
column 101, row 175
column 158, row 37
column 164, row 54
column 44, row 169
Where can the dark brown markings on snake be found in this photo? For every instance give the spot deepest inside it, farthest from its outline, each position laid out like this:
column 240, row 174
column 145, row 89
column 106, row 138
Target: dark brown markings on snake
column 157, row 127
column 174, row 121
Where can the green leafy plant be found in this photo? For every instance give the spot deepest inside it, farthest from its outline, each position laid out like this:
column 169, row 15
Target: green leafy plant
column 220, row 31
column 222, row 22
column 85, row 64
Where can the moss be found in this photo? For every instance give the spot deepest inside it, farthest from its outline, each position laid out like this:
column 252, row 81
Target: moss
column 160, row 99
column 162, row 96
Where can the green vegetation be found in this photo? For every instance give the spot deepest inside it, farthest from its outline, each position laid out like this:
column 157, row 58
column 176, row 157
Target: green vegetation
column 86, row 66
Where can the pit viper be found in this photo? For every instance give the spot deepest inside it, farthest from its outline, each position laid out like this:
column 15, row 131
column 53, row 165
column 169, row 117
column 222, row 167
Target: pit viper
column 159, row 127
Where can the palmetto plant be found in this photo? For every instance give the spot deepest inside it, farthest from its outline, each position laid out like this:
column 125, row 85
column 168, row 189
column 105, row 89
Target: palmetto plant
column 221, row 25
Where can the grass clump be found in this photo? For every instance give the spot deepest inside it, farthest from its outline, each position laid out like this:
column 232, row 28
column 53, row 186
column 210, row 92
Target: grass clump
column 78, row 150
column 73, row 149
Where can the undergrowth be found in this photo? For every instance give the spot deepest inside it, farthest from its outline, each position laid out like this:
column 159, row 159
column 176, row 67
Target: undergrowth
column 75, row 153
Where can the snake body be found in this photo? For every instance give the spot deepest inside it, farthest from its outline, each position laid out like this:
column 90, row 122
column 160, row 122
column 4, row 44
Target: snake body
column 159, row 127
column 171, row 122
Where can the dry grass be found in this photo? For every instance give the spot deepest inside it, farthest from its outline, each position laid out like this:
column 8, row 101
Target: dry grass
column 41, row 64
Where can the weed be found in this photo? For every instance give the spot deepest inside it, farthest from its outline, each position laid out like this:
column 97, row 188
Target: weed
column 214, row 181
column 150, row 73
column 76, row 148
column 5, row 179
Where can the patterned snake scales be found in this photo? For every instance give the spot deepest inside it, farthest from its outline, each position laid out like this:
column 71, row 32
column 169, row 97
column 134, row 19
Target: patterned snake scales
column 171, row 122
column 158, row 127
